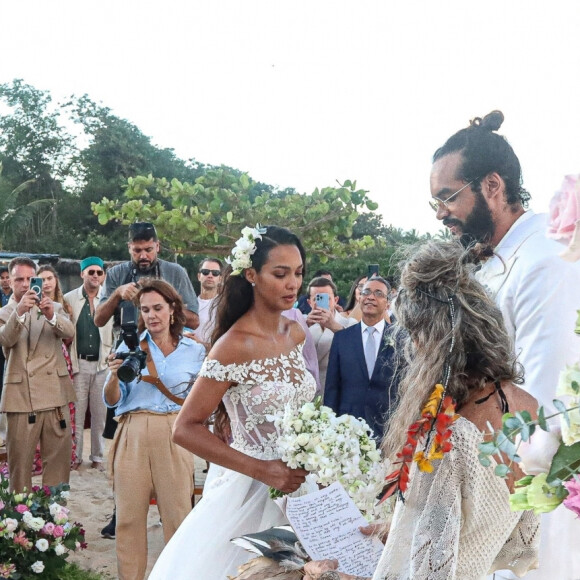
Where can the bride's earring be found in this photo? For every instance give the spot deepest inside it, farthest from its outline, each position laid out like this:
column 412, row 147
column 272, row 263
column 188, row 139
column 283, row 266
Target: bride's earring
column 171, row 320
column 253, row 284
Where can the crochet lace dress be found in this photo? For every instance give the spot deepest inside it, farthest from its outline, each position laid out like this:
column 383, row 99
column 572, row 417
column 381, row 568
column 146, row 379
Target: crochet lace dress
column 456, row 523
column 234, row 504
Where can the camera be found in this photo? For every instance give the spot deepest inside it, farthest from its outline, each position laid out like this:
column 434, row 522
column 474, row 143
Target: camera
column 133, row 361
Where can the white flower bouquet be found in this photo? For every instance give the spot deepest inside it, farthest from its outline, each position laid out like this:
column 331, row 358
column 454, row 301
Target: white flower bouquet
column 333, row 448
column 36, row 535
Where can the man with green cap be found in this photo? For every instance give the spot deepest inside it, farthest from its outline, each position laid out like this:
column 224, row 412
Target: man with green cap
column 88, row 353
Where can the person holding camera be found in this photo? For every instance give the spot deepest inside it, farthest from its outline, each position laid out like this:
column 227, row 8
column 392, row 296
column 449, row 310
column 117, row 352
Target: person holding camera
column 37, row 385
column 150, row 375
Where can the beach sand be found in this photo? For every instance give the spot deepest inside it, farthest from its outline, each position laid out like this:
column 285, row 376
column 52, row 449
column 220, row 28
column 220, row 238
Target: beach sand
column 91, row 503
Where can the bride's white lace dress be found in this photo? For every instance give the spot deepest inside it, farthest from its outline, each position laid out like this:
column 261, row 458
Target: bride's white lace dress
column 234, row 504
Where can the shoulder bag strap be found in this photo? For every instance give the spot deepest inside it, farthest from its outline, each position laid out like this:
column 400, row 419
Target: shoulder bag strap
column 154, row 380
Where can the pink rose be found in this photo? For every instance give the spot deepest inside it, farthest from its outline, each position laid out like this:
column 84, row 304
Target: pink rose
column 572, row 502
column 48, row 528
column 565, row 210
column 58, row 532
column 21, row 508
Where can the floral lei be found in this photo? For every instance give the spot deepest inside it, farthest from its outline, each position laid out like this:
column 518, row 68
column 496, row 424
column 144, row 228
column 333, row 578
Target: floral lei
column 434, row 425
column 246, row 246
column 436, row 418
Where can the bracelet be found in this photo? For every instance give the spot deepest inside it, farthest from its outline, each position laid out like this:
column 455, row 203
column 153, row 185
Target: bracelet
column 330, row 575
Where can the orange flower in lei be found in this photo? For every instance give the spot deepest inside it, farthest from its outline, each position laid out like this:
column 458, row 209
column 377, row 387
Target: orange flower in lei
column 434, row 426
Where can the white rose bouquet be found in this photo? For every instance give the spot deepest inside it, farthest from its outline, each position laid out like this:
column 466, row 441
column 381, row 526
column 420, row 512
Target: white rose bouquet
column 36, row 535
column 333, row 449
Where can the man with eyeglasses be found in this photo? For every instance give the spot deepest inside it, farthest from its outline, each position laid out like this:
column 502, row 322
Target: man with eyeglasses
column 88, row 352
column 359, row 379
column 476, row 188
column 209, row 275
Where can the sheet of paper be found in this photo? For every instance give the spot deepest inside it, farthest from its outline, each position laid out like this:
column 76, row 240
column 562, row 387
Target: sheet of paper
column 327, row 523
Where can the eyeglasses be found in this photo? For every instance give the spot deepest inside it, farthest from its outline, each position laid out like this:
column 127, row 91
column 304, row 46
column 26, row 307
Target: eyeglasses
column 206, row 271
column 97, row 272
column 436, row 203
column 377, row 293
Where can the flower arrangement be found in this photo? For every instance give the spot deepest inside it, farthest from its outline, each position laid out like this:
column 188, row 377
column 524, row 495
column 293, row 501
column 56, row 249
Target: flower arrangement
column 551, row 458
column 36, row 535
column 244, row 249
column 333, row 448
column 433, row 428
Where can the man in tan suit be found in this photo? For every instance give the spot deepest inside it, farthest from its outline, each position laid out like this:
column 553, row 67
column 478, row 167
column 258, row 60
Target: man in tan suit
column 37, row 386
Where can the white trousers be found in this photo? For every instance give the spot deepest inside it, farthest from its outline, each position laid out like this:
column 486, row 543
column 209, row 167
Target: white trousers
column 88, row 383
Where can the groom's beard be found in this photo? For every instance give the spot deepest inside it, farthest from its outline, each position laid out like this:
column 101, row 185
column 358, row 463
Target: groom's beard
column 478, row 227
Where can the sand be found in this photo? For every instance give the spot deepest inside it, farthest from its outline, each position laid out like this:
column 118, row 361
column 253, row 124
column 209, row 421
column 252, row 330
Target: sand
column 91, row 503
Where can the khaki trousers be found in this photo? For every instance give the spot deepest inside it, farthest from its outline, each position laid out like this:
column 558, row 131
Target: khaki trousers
column 88, row 383
column 146, row 464
column 55, row 447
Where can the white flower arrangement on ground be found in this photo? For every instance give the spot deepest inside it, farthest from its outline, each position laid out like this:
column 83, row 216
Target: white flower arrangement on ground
column 244, row 249
column 333, row 448
column 36, row 534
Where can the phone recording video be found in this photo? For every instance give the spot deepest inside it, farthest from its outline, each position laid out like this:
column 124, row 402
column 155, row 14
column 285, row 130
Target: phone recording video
column 36, row 285
column 322, row 301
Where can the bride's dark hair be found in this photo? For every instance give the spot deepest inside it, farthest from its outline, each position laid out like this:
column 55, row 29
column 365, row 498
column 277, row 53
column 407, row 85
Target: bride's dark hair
column 237, row 295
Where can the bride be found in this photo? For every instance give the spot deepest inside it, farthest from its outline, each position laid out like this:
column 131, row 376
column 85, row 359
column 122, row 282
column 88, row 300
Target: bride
column 256, row 366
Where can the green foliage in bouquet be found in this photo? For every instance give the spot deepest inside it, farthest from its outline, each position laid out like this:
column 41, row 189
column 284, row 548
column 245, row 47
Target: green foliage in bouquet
column 36, row 535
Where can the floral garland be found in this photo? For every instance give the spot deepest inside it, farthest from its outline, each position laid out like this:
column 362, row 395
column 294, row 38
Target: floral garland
column 436, row 418
column 244, row 249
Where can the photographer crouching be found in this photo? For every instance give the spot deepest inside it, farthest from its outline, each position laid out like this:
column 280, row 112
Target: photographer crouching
column 149, row 377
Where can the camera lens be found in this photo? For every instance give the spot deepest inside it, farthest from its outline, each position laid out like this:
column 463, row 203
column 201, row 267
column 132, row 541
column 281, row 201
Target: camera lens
column 129, row 369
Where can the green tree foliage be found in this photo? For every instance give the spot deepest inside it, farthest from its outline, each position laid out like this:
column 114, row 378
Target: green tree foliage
column 208, row 215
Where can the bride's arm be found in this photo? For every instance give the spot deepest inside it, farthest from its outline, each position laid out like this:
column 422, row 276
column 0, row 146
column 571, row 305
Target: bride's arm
column 190, row 432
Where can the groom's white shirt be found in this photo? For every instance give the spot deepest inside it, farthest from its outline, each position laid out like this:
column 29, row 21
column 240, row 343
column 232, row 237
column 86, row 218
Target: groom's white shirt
column 539, row 293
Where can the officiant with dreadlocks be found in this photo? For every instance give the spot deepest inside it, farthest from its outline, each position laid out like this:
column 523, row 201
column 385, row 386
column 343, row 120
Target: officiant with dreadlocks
column 452, row 518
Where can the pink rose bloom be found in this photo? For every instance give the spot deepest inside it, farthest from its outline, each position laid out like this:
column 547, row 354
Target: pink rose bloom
column 58, row 532
column 48, row 528
column 21, row 539
column 565, row 210
column 572, row 502
column 21, row 508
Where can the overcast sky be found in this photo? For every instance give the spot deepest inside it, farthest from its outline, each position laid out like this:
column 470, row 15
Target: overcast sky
column 304, row 93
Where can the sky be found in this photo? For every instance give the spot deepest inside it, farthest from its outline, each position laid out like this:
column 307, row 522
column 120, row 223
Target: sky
column 306, row 94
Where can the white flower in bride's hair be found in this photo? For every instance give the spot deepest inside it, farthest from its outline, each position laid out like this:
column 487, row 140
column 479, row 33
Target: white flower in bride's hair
column 244, row 248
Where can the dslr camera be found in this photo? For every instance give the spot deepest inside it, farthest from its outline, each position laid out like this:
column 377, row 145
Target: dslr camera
column 133, row 361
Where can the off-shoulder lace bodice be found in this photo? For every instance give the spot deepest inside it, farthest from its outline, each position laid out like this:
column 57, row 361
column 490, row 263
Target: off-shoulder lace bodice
column 456, row 522
column 263, row 388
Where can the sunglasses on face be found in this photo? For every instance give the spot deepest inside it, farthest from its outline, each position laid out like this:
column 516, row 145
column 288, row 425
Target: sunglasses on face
column 97, row 272
column 206, row 272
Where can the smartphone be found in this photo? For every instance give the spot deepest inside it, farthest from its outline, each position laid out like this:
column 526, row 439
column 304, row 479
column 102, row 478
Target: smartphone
column 36, row 285
column 322, row 301
column 372, row 270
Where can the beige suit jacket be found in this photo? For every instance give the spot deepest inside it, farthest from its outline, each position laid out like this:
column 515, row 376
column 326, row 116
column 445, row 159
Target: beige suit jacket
column 76, row 300
column 36, row 376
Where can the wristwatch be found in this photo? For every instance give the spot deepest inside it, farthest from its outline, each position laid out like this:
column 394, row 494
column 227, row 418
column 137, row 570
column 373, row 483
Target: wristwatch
column 330, row 575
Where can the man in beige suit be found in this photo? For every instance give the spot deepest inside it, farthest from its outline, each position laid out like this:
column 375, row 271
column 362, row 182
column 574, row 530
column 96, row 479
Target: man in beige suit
column 37, row 386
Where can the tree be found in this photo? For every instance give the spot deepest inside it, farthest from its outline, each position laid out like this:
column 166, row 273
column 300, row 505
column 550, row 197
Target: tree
column 208, row 215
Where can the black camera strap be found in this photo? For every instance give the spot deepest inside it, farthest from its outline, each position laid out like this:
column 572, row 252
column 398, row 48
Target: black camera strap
column 154, row 380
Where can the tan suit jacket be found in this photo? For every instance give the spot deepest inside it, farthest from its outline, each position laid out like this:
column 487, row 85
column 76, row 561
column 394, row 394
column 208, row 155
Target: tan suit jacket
column 36, row 375
column 76, row 300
